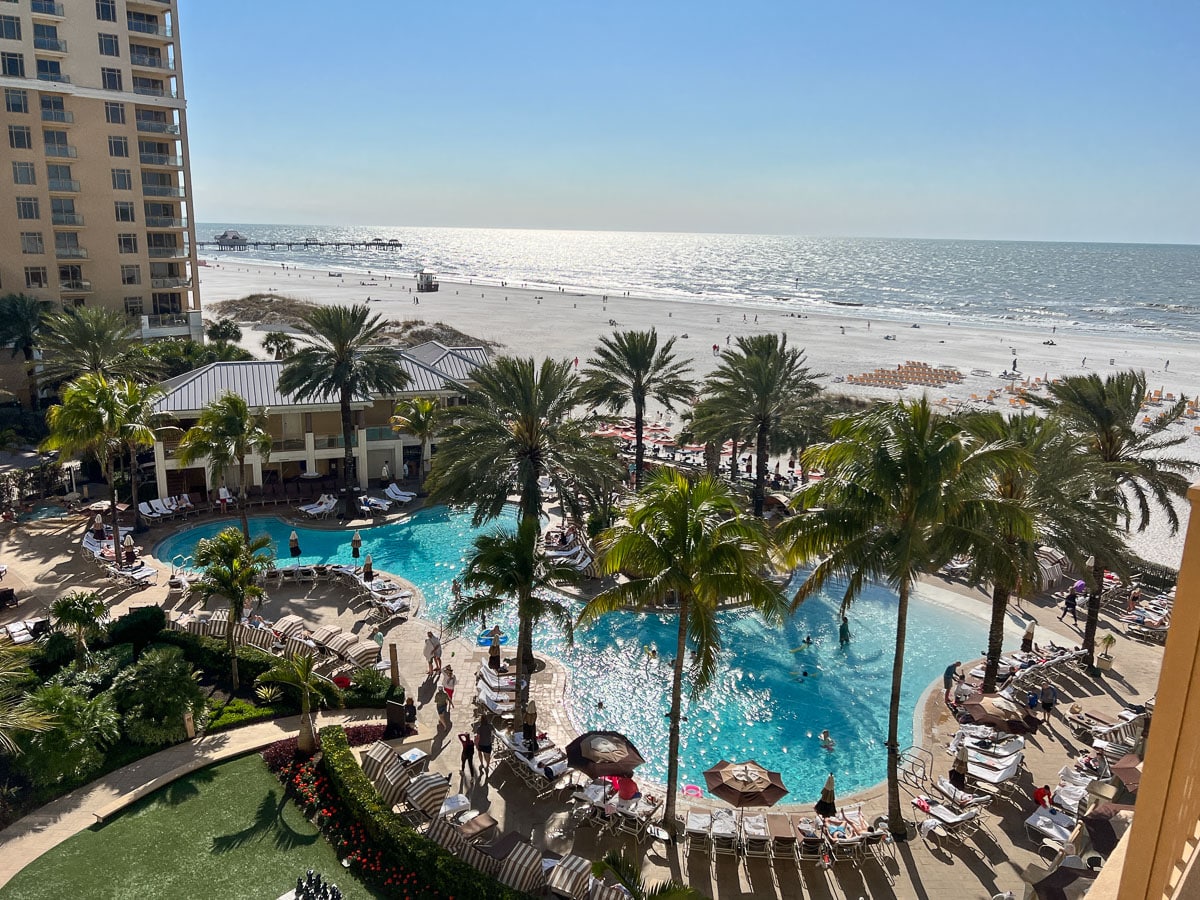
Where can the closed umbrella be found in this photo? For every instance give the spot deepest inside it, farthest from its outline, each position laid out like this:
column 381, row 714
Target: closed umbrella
column 128, row 542
column 827, row 805
column 294, row 544
column 386, row 474
column 368, row 572
column 745, row 784
column 355, row 544
column 958, row 773
column 603, row 753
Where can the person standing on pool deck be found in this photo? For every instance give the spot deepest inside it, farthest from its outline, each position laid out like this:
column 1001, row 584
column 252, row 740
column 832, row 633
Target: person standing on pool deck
column 529, row 727
column 468, row 754
column 449, row 682
column 432, row 652
column 949, row 677
column 483, row 743
column 494, row 650
column 1070, row 606
column 1027, row 638
column 844, row 632
column 1048, row 698
column 441, row 703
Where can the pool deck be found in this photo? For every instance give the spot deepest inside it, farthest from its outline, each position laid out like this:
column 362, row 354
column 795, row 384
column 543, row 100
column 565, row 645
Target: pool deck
column 44, row 562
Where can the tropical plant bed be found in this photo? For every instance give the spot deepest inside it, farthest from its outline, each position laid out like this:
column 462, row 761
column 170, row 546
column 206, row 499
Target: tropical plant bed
column 229, row 831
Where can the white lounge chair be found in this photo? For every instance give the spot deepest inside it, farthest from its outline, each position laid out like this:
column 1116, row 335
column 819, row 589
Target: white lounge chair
column 161, row 508
column 148, row 513
column 394, row 493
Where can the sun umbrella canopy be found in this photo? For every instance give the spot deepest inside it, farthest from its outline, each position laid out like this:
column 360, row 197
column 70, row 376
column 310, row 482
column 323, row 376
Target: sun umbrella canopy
column 1001, row 713
column 601, row 753
column 745, row 784
column 1129, row 769
column 827, row 805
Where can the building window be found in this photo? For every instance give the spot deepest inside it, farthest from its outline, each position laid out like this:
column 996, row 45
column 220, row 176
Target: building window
column 127, row 243
column 10, row 28
column 122, row 180
column 50, row 70
column 131, row 274
column 106, row 10
column 56, row 143
column 110, row 44
column 124, row 211
column 118, row 146
column 31, row 242
column 16, row 100
column 12, row 64
column 35, row 277
column 133, row 306
column 23, row 173
column 20, row 137
column 59, row 177
column 110, row 80
column 27, row 208
column 114, row 113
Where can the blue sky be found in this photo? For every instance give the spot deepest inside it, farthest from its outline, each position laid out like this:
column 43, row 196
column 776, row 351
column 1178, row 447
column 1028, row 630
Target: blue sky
column 1055, row 121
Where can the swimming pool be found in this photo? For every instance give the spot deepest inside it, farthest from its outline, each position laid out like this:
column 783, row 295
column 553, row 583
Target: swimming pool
column 759, row 706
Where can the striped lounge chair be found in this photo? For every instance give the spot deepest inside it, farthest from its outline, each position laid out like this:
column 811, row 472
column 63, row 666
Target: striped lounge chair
column 426, row 793
column 378, row 758
column 571, row 879
column 522, row 869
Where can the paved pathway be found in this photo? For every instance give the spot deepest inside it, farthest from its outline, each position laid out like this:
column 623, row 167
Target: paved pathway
column 46, row 828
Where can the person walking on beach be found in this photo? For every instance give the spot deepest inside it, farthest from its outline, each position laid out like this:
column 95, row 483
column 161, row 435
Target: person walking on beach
column 1070, row 605
column 844, row 632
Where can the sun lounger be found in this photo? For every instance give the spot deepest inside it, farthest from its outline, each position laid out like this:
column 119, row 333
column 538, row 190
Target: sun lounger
column 288, row 626
column 339, row 644
column 696, row 830
column 960, row 799
column 498, row 704
column 1154, row 634
column 999, row 746
column 138, row 576
column 783, row 836
column 755, row 836
column 425, row 793
column 392, row 783
column 321, row 509
column 393, row 492
column 522, row 870
column 147, row 513
column 161, row 508
column 363, row 654
column 497, row 683
column 323, row 635
column 571, row 879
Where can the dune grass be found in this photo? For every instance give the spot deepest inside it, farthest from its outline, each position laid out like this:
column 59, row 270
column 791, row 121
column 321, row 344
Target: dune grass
column 222, row 832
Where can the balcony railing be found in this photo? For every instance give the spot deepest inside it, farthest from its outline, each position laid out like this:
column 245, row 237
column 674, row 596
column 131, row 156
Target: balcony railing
column 46, row 8
column 54, row 45
column 162, row 190
column 165, row 222
column 167, row 252
column 76, row 285
column 70, row 253
column 54, row 76
column 57, row 115
column 160, row 284
column 168, row 320
column 332, row 441
column 284, row 444
column 160, row 159
column 149, row 28
column 146, row 61
column 63, row 185
column 149, row 91
column 66, row 219
column 382, row 433
column 61, row 150
column 153, row 127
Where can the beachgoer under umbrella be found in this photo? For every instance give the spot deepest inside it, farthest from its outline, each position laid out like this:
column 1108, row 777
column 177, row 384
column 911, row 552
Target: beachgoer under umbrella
column 827, row 805
column 368, row 569
column 1027, row 639
column 294, row 544
column 355, row 544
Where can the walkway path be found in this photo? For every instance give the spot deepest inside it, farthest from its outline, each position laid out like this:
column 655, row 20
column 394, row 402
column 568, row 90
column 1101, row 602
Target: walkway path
column 44, row 829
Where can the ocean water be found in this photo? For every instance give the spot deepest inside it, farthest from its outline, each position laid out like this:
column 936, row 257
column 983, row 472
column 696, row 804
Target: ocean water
column 761, row 705
column 1148, row 289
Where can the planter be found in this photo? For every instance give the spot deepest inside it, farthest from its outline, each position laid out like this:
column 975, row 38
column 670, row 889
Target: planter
column 1104, row 663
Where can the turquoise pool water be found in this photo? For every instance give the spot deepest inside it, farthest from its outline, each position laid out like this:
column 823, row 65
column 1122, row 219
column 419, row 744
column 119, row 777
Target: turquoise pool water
column 42, row 511
column 759, row 706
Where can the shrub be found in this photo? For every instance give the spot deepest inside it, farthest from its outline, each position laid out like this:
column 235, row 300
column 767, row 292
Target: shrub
column 72, row 750
column 370, row 688
column 155, row 694
column 243, row 712
column 56, row 651
column 100, row 672
column 211, row 655
column 437, row 872
column 138, row 627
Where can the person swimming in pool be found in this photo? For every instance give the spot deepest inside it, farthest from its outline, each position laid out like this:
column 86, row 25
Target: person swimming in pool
column 826, row 740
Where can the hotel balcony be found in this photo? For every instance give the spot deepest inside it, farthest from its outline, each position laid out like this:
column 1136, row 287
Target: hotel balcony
column 146, row 61
column 61, row 150
column 63, row 185
column 167, row 252
column 51, row 45
column 70, row 253
column 66, row 219
column 149, row 28
column 151, row 127
column 162, row 284
column 148, row 91
column 75, row 286
column 185, row 324
column 160, row 159
column 58, row 77
column 57, row 115
column 165, row 222
column 46, row 8
column 163, row 190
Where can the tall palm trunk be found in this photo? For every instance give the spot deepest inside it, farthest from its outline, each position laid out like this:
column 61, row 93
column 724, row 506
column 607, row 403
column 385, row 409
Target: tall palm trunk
column 110, row 474
column 347, row 439
column 895, row 813
column 760, row 470
column 733, row 461
column 35, row 401
column 1093, row 612
column 233, row 667
column 676, row 713
column 639, row 441
column 712, row 459
column 1000, row 595
column 524, row 656
column 133, row 488
column 242, row 497
column 306, row 743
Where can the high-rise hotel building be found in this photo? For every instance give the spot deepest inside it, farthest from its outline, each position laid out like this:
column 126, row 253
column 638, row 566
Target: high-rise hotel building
column 95, row 196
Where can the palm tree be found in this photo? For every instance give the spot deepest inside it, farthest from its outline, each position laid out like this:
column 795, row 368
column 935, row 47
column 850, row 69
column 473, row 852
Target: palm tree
column 279, row 344
column 21, row 323
column 1133, row 472
column 17, row 716
column 507, row 564
column 759, row 388
column 421, row 417
column 225, row 434
column 904, row 491
column 1048, row 496
column 629, row 368
column 90, row 419
column 687, row 540
column 514, row 430
column 627, row 871
column 140, row 427
column 79, row 612
column 340, row 355
column 93, row 339
column 231, row 566
column 297, row 672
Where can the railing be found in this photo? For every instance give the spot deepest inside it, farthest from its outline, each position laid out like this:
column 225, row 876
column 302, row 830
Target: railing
column 54, row 76
column 54, row 45
column 147, row 91
column 333, row 441
column 61, row 150
column 66, row 219
column 163, row 190
column 46, row 8
column 168, row 320
column 155, row 127
column 281, row 445
column 166, row 283
column 57, row 115
column 75, row 285
column 165, row 222
column 63, row 184
column 149, row 28
column 70, row 253
column 167, row 252
column 146, row 61
column 160, row 159
column 382, row 433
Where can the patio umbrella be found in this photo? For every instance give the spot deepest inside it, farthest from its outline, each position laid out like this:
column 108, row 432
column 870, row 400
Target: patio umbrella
column 745, row 784
column 1129, row 769
column 294, row 544
column 827, row 805
column 602, row 753
column 128, row 542
column 386, row 473
column 1001, row 713
column 355, row 544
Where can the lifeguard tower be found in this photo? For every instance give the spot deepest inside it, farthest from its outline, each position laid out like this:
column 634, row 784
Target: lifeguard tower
column 426, row 281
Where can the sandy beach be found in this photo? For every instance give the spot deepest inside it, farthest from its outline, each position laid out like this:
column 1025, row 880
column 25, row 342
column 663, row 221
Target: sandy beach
column 568, row 324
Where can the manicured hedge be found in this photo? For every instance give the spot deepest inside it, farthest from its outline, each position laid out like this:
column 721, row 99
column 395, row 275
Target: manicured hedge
column 400, row 844
column 236, row 712
column 212, row 655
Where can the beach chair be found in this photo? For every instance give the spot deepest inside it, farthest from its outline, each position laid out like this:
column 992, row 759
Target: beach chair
column 443, row 833
column 521, row 869
column 392, row 783
column 394, row 492
column 697, row 826
column 147, row 513
column 478, row 860
column 425, row 793
column 783, row 836
column 295, row 647
column 363, row 654
column 811, row 845
column 161, row 508
column 960, row 799
column 218, row 627
column 723, row 834
column 755, row 836
column 262, row 638
column 288, row 626
column 571, row 879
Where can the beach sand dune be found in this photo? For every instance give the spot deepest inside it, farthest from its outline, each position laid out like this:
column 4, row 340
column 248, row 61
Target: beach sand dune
column 838, row 344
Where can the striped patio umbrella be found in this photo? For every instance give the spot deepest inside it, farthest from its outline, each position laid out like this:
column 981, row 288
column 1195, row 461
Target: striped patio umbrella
column 392, row 784
column 444, row 834
column 341, row 643
column 426, row 793
column 378, row 758
column 363, row 654
column 571, row 877
column 325, row 633
column 294, row 646
column 522, row 870
column 288, row 626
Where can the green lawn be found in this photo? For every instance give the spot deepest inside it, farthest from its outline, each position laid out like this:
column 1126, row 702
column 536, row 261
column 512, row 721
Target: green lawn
column 222, row 832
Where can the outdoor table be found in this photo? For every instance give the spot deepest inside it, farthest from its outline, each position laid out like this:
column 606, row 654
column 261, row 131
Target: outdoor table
column 594, row 794
column 476, row 825
column 413, row 756
column 1054, row 825
column 454, row 804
